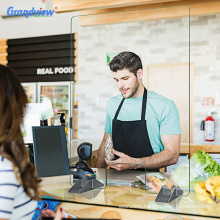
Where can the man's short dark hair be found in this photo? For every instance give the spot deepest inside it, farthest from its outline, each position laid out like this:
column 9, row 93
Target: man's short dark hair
column 126, row 60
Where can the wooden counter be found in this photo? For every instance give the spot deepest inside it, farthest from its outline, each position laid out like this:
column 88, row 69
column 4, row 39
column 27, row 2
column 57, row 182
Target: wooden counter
column 112, row 200
column 209, row 148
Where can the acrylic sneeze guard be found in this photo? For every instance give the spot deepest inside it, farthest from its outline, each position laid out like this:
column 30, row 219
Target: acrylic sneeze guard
column 163, row 44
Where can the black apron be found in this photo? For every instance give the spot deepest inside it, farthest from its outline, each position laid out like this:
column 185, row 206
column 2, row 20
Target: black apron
column 131, row 137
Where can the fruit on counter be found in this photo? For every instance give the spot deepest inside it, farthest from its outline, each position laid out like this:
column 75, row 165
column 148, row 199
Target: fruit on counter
column 206, row 198
column 200, row 188
column 202, row 193
column 210, row 184
column 201, row 166
column 217, row 191
column 209, row 190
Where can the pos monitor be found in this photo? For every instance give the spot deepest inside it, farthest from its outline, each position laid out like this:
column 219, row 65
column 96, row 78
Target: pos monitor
column 50, row 151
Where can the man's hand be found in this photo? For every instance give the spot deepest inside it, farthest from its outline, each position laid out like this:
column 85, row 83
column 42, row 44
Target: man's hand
column 100, row 162
column 167, row 157
column 123, row 158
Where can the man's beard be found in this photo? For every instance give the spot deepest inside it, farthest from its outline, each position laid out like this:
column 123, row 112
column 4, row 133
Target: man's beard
column 133, row 90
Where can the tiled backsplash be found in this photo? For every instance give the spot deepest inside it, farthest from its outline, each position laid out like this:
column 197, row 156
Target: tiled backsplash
column 161, row 41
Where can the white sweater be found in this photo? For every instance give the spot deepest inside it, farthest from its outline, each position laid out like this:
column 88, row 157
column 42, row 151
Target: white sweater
column 14, row 202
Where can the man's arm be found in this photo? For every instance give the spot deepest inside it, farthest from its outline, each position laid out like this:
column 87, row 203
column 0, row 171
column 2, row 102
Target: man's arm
column 167, row 157
column 100, row 161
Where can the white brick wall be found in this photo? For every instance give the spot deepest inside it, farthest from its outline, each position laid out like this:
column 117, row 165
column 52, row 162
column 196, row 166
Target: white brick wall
column 164, row 41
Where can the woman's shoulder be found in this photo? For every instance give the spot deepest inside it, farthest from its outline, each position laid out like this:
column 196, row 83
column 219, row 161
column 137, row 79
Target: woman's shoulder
column 5, row 163
column 7, row 171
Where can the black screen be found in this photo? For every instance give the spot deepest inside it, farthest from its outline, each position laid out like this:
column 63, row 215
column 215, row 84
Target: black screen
column 50, row 151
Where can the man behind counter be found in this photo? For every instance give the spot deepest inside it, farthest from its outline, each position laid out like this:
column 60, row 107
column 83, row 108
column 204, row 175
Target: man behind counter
column 144, row 125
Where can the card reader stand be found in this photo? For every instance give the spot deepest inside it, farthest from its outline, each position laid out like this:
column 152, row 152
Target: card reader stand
column 166, row 195
column 87, row 178
column 84, row 185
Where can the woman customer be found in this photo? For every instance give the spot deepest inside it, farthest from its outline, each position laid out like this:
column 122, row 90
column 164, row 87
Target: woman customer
column 18, row 183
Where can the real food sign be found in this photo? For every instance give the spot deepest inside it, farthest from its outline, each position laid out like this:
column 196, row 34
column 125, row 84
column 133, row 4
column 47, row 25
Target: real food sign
column 55, row 70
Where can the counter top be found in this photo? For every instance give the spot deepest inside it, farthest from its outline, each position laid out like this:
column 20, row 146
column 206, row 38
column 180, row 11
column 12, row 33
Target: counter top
column 209, row 148
column 118, row 193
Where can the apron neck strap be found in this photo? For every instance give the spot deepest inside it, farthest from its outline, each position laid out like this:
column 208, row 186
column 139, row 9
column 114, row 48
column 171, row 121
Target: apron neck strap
column 144, row 105
column 119, row 108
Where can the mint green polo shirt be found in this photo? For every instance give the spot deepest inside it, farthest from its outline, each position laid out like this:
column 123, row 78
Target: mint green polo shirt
column 162, row 116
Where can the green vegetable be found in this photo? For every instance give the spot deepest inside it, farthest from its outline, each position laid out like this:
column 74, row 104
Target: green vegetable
column 207, row 162
column 180, row 176
column 202, row 166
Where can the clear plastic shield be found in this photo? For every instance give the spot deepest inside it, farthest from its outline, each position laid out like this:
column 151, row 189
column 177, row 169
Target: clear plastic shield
column 161, row 37
column 163, row 44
